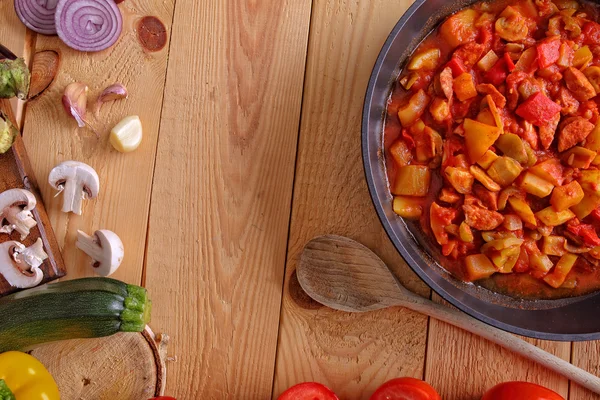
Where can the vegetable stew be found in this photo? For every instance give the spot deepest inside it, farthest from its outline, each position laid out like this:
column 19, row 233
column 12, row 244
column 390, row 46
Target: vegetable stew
column 491, row 139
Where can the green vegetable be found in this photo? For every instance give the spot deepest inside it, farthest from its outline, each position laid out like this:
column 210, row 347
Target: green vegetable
column 5, row 393
column 8, row 134
column 14, row 79
column 83, row 308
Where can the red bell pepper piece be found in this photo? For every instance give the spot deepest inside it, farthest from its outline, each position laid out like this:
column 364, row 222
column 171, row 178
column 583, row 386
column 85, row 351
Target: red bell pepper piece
column 509, row 62
column 498, row 73
column 538, row 109
column 596, row 214
column 457, row 66
column 591, row 33
column 585, row 231
column 410, row 142
column 548, row 52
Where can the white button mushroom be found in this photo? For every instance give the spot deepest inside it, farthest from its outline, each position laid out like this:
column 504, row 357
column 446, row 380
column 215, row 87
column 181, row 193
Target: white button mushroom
column 20, row 265
column 77, row 181
column 105, row 248
column 15, row 209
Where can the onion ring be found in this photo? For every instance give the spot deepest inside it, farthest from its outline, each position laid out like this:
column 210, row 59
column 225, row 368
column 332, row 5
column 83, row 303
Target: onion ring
column 37, row 15
column 88, row 25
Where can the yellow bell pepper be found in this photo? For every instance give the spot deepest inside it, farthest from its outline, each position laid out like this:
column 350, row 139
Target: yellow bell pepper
column 26, row 377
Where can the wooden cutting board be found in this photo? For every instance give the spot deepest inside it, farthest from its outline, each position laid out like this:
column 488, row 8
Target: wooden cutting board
column 125, row 366
column 16, row 173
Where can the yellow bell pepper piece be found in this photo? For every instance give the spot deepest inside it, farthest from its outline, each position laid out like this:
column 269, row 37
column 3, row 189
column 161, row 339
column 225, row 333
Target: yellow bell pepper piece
column 26, row 377
column 478, row 138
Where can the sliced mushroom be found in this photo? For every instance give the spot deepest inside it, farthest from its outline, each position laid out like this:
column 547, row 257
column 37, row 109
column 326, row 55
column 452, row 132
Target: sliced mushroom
column 105, row 248
column 77, row 181
column 20, row 265
column 15, row 209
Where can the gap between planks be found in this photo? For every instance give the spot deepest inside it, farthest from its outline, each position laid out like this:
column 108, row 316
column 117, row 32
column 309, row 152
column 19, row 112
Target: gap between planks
column 287, row 249
column 162, row 107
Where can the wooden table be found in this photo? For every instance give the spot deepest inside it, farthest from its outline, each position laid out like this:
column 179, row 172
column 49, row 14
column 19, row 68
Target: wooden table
column 251, row 114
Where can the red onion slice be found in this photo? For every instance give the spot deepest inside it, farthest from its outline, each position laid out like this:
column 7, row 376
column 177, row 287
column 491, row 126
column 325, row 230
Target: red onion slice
column 37, row 15
column 88, row 25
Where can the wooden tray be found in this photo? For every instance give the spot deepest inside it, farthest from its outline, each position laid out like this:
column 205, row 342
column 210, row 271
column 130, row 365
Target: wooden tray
column 16, row 173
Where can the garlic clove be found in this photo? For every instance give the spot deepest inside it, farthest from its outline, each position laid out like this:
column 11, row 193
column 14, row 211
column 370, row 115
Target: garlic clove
column 111, row 93
column 75, row 101
column 127, row 135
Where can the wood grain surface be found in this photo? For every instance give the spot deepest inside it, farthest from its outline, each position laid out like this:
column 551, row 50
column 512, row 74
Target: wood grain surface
column 52, row 137
column 353, row 354
column 251, row 112
column 222, row 191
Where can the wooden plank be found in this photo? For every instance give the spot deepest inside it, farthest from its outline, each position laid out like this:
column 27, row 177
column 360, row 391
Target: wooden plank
column 125, row 179
column 462, row 366
column 16, row 173
column 222, row 191
column 353, row 354
column 585, row 355
column 12, row 31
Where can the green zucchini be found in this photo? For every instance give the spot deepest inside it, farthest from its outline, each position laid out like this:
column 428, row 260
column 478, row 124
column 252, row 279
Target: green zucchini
column 83, row 308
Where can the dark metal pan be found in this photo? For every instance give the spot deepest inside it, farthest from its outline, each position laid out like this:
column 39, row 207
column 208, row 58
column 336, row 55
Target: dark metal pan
column 570, row 319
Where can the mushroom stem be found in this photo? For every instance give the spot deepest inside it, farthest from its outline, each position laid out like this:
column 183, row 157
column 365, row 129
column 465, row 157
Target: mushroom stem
column 18, row 220
column 72, row 197
column 33, row 255
column 90, row 246
column 15, row 208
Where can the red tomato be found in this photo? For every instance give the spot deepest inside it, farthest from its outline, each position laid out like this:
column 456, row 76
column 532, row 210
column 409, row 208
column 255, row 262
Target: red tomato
column 405, row 389
column 521, row 391
column 308, row 391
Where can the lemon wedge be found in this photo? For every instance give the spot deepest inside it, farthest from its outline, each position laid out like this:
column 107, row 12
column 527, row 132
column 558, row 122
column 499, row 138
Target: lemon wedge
column 127, row 135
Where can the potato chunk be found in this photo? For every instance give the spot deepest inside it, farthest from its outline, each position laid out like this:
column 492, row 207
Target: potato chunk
column 408, row 207
column 578, row 157
column 562, row 268
column 464, row 86
column 478, row 266
column 566, row 196
column 549, row 217
column 590, row 201
column 412, row 180
column 523, row 210
column 550, row 170
column 460, row 28
column 535, row 185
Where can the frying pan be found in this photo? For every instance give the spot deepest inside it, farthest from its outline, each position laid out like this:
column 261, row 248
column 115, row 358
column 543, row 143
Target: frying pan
column 568, row 319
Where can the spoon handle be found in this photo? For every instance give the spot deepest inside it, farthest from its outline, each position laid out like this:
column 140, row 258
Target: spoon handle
column 504, row 339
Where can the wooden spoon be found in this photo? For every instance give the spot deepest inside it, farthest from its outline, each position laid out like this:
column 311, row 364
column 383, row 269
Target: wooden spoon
column 345, row 275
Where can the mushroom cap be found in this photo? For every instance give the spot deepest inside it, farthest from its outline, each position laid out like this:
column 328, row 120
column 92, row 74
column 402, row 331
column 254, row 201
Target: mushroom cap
column 17, row 196
column 14, row 275
column 75, row 170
